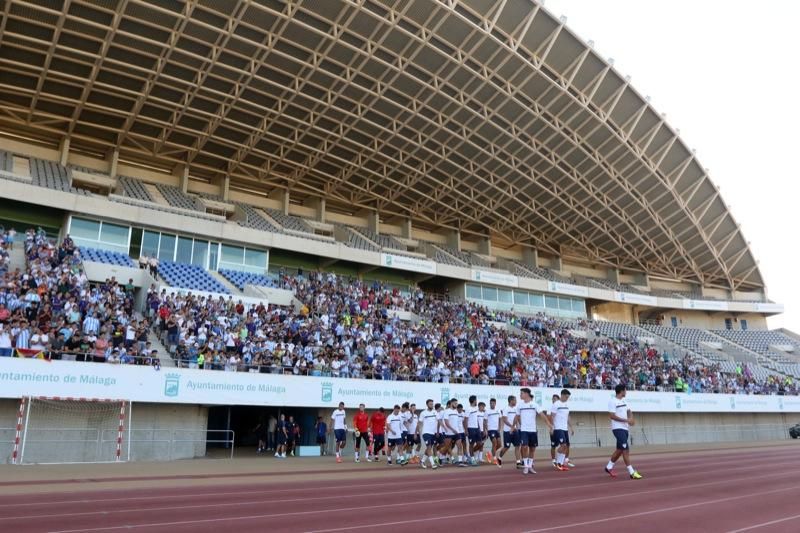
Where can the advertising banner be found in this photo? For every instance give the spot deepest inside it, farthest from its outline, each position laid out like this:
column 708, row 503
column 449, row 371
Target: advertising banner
column 404, row 262
column 34, row 377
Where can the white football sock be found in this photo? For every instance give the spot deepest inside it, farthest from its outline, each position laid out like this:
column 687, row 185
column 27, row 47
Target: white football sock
column 631, row 470
column 610, row 465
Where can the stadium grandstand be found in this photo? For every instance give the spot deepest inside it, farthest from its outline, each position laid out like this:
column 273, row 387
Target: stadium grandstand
column 358, row 201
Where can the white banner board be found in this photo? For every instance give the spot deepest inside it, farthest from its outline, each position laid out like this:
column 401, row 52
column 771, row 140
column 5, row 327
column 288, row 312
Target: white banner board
column 769, row 308
column 495, row 278
column 405, row 262
column 34, row 377
column 636, row 299
column 566, row 288
column 705, row 305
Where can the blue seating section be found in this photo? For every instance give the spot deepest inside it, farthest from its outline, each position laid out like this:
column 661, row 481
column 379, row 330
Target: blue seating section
column 190, row 277
column 105, row 256
column 240, row 279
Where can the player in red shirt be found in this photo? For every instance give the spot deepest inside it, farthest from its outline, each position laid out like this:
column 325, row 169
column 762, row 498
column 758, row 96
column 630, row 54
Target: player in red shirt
column 377, row 424
column 361, row 425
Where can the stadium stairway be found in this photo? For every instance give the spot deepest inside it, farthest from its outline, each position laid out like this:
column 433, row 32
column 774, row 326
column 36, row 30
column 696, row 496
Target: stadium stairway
column 739, row 353
column 230, row 286
column 164, row 356
column 155, row 194
column 16, row 257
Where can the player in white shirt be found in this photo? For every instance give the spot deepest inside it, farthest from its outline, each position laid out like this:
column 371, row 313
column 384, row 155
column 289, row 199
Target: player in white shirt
column 413, row 439
column 526, row 421
column 450, row 421
column 562, row 429
column 621, row 419
column 394, row 434
column 461, row 438
column 482, row 427
column 473, row 430
column 405, row 414
column 508, row 423
column 339, row 422
column 553, row 443
column 493, row 427
column 428, row 426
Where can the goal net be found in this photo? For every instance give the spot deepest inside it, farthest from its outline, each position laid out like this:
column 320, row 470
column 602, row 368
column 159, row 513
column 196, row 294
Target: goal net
column 72, row 430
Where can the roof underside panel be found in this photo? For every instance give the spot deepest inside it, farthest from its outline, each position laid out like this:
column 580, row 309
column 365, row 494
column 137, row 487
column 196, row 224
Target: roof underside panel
column 491, row 117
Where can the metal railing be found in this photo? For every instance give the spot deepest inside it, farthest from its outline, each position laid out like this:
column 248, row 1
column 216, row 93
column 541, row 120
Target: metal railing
column 255, row 368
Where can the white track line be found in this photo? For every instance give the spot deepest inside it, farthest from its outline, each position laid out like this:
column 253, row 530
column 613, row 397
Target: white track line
column 309, row 499
column 531, row 507
column 764, row 524
column 405, row 504
column 394, row 484
column 663, row 510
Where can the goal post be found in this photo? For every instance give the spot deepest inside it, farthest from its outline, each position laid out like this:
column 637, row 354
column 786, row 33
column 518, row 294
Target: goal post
column 54, row 430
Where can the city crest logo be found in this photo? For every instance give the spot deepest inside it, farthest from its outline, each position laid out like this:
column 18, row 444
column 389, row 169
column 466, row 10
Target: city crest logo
column 780, row 403
column 445, row 394
column 327, row 391
column 733, row 403
column 172, row 385
column 388, row 260
column 677, row 402
column 538, row 395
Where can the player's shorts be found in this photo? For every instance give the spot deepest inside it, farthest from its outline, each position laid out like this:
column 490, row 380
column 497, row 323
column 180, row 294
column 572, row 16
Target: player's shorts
column 429, row 439
column 462, row 437
column 450, row 437
column 411, row 439
column 396, row 442
column 281, row 438
column 493, row 434
column 553, row 441
column 560, row 436
column 475, row 435
column 439, row 438
column 529, row 439
column 378, row 442
column 340, row 435
column 361, row 437
column 510, row 439
column 322, row 439
column 622, row 439
column 404, row 436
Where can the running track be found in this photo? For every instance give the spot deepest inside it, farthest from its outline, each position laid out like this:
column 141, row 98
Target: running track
column 728, row 491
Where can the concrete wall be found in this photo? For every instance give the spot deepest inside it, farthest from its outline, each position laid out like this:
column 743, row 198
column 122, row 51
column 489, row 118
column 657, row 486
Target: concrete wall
column 592, row 430
column 157, row 432
column 614, row 312
column 714, row 320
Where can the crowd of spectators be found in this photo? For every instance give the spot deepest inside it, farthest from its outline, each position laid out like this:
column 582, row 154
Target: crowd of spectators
column 343, row 327
column 50, row 310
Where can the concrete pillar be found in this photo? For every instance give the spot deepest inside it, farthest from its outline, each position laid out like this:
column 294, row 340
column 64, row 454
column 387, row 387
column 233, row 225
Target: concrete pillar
column 374, row 221
column 406, row 228
column 530, row 256
column 226, row 187
column 453, row 239
column 182, row 173
column 282, row 195
column 612, row 274
column 63, row 149
column 113, row 163
column 485, row 245
column 318, row 205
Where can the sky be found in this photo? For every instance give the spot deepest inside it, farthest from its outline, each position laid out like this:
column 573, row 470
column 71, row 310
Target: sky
column 726, row 74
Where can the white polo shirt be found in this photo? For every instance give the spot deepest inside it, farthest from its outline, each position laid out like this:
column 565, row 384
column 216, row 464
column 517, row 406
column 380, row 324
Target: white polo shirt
column 510, row 414
column 527, row 416
column 430, row 421
column 560, row 410
column 492, row 419
column 472, row 417
column 338, row 418
column 618, row 407
column 395, row 424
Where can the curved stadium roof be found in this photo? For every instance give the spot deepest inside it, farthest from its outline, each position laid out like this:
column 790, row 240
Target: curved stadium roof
column 487, row 116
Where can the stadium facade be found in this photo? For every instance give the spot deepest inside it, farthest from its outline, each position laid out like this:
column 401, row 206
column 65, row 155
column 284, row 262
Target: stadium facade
column 475, row 148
